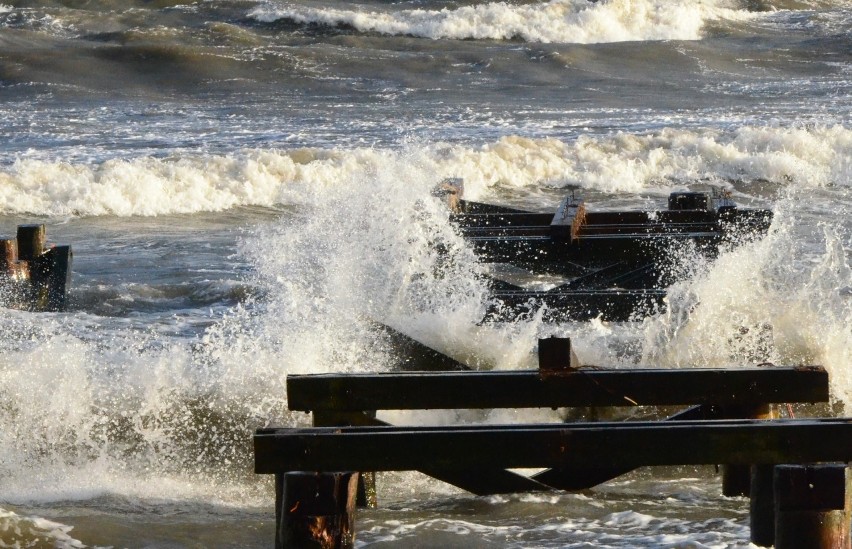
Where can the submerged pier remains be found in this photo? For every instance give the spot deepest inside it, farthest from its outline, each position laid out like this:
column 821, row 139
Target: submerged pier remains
column 33, row 276
column 615, row 264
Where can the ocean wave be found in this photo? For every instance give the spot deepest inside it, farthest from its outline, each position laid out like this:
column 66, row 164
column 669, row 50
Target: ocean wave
column 555, row 21
column 817, row 156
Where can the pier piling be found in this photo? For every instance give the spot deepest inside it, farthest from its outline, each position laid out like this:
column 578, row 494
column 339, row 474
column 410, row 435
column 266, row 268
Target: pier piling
column 315, row 510
column 812, row 506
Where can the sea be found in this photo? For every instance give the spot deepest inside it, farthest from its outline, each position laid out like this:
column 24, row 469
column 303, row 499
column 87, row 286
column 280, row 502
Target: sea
column 247, row 188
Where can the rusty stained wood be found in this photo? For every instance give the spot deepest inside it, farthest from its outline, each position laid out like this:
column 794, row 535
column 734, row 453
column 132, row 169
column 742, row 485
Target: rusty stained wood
column 31, row 241
column 529, row 389
column 613, row 445
column 568, row 219
column 315, row 510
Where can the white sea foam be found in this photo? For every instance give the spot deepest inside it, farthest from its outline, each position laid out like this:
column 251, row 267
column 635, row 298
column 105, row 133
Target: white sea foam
column 555, row 21
column 809, row 157
column 33, row 531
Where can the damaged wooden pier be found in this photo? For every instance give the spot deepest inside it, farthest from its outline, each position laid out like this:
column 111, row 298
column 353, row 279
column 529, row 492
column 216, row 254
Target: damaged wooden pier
column 317, row 468
column 615, row 264
column 34, row 276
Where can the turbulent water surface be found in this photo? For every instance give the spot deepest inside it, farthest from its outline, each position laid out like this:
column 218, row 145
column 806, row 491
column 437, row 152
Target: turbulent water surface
column 246, row 183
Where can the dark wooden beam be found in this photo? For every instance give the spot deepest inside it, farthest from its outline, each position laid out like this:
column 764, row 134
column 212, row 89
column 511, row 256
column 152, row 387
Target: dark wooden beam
column 479, row 481
column 529, row 389
column 574, row 479
column 631, row 444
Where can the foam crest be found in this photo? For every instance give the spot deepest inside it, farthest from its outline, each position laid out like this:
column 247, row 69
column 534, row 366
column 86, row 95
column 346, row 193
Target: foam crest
column 555, row 21
column 814, row 157
column 153, row 186
column 809, row 157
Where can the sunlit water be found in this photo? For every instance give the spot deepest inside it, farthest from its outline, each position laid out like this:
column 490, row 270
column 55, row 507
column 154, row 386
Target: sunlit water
column 247, row 183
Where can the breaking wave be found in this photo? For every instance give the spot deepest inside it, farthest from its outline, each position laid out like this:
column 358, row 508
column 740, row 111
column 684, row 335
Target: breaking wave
column 555, row 21
column 810, row 157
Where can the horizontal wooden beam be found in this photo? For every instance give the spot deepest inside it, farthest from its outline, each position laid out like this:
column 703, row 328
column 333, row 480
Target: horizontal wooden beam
column 532, row 389
column 481, row 481
column 630, row 444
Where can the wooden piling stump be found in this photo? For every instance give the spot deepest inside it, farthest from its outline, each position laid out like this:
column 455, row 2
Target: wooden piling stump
column 813, row 506
column 762, row 505
column 556, row 355
column 8, row 254
column 31, row 241
column 51, row 278
column 315, row 510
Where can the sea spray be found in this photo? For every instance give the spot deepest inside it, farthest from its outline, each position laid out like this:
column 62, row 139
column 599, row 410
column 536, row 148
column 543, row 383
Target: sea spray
column 775, row 300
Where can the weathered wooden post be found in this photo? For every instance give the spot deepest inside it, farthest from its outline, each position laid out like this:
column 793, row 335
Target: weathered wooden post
column 31, row 241
column 762, row 505
column 736, row 479
column 813, row 506
column 8, row 254
column 367, row 495
column 315, row 510
column 556, row 355
column 51, row 278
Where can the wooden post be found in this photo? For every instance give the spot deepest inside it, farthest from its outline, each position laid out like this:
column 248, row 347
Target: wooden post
column 51, row 278
column 31, row 241
column 762, row 508
column 736, row 479
column 556, row 355
column 452, row 188
column 8, row 254
column 315, row 510
column 813, row 506
column 569, row 217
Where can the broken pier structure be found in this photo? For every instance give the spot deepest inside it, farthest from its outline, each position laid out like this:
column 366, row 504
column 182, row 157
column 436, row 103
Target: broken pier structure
column 34, row 276
column 615, row 263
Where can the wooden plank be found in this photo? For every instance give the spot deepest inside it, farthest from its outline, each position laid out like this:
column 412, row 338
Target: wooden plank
column 528, row 219
column 631, row 444
column 588, row 477
column 469, row 206
column 528, row 389
column 479, row 481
